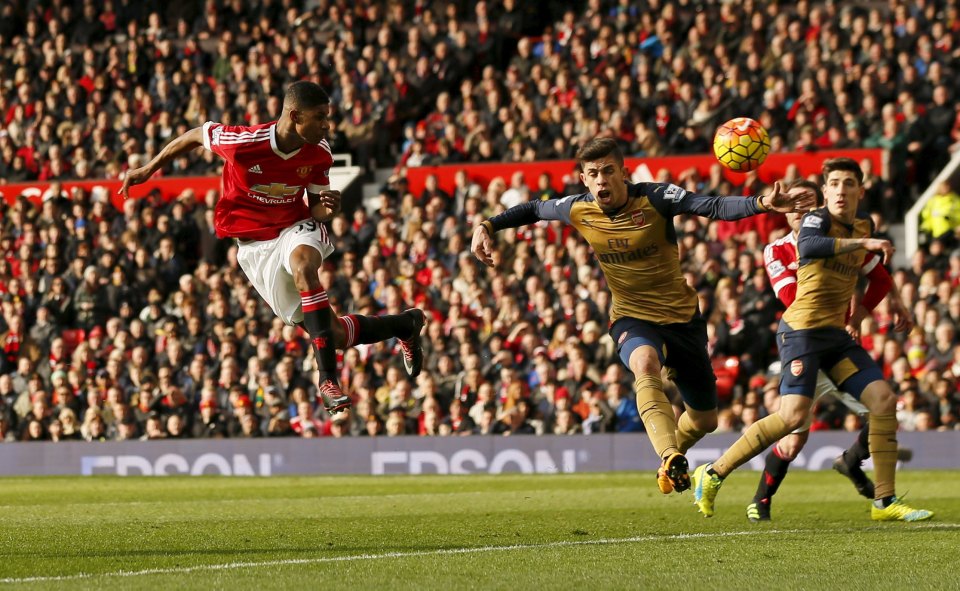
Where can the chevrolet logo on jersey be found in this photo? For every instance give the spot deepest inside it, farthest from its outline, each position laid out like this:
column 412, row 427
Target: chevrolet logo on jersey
column 276, row 190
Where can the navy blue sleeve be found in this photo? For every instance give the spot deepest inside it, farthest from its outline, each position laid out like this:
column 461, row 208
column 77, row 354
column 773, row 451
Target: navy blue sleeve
column 559, row 209
column 671, row 200
column 532, row 212
column 518, row 215
column 813, row 242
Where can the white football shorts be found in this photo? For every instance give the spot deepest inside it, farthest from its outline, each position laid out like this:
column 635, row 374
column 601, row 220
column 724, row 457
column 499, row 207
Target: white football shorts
column 266, row 263
column 826, row 387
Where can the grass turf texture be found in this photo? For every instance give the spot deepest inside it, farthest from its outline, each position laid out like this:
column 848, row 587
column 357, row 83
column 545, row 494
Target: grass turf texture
column 585, row 531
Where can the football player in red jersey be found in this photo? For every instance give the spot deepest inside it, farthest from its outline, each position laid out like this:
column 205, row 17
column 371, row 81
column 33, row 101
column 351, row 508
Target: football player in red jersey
column 282, row 240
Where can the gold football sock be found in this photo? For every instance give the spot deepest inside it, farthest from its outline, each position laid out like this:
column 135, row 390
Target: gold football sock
column 757, row 438
column 687, row 433
column 882, row 439
column 657, row 414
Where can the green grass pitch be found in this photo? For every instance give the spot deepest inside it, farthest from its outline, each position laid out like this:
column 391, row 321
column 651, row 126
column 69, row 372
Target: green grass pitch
column 583, row 531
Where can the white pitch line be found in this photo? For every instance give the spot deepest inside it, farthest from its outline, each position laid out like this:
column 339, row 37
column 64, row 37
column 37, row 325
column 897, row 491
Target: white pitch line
column 446, row 552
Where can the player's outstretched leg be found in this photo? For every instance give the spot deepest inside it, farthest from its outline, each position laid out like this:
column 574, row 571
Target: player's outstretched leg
column 404, row 327
column 410, row 346
column 305, row 262
column 850, row 461
column 708, row 477
column 316, row 319
column 774, row 471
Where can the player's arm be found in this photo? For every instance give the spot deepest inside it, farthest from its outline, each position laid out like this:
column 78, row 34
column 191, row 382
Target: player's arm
column 813, row 242
column 902, row 316
column 324, row 202
column 879, row 282
column 517, row 216
column 671, row 200
column 783, row 279
column 880, row 285
column 188, row 141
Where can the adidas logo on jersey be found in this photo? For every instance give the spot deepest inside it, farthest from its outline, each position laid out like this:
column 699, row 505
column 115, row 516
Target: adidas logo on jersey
column 255, row 169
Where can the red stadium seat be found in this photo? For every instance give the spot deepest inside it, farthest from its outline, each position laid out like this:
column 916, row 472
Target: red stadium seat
column 727, row 370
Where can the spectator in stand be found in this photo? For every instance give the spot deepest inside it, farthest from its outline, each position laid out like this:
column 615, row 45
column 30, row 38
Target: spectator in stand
column 940, row 218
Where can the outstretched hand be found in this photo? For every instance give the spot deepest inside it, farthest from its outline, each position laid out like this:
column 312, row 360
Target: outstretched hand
column 856, row 320
column 882, row 246
column 796, row 199
column 902, row 318
column 482, row 246
column 134, row 177
column 326, row 206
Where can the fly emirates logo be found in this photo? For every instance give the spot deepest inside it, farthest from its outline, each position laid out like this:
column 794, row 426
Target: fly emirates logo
column 276, row 193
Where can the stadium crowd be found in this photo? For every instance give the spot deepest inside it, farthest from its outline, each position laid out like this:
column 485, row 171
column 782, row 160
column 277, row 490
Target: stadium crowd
column 140, row 324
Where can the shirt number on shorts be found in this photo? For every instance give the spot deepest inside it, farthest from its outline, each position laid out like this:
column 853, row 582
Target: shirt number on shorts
column 310, row 226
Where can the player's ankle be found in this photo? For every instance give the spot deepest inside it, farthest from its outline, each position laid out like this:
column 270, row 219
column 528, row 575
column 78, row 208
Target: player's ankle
column 328, row 377
column 885, row 502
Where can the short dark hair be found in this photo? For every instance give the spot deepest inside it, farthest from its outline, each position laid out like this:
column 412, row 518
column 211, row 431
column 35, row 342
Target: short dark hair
column 305, row 95
column 808, row 185
column 846, row 164
column 597, row 148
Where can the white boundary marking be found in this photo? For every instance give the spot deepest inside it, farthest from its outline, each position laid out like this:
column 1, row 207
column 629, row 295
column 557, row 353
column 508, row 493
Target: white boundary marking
column 449, row 551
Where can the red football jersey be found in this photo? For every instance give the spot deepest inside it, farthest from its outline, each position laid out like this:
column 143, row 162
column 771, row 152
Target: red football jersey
column 262, row 189
column 780, row 261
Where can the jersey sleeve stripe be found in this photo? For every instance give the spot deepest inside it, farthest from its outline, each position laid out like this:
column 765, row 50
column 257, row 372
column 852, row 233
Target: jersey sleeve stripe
column 206, row 135
column 235, row 134
column 243, row 139
column 783, row 283
column 254, row 140
column 870, row 265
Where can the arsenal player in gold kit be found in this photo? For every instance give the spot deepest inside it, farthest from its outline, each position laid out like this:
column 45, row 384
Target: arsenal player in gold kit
column 832, row 244
column 655, row 320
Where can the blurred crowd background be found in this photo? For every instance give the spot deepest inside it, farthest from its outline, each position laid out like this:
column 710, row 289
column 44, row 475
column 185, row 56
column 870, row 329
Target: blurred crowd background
column 139, row 324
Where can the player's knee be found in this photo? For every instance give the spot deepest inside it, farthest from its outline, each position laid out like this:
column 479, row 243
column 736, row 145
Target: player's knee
column 884, row 402
column 339, row 334
column 787, row 453
column 306, row 275
column 793, row 418
column 879, row 398
column 645, row 365
column 790, row 446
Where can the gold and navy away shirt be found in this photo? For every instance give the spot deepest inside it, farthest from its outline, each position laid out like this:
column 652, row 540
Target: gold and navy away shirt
column 826, row 280
column 637, row 244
